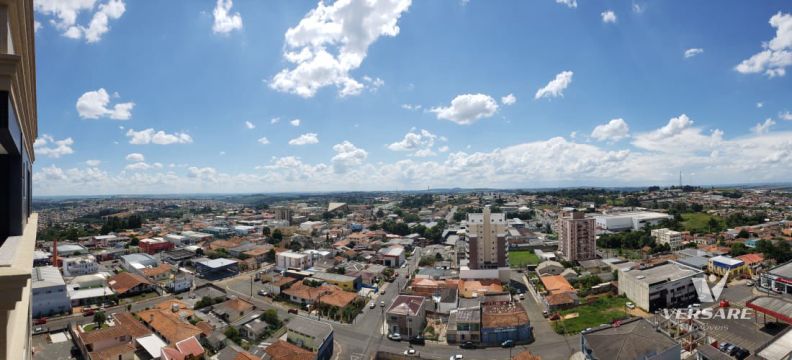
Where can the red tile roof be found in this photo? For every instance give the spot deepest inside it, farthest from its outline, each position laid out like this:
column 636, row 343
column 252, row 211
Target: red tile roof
column 125, row 281
column 750, row 259
column 282, row 350
column 169, row 325
column 556, row 284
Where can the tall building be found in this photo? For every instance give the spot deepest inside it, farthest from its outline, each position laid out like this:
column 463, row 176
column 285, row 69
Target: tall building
column 668, row 236
column 576, row 237
column 18, row 131
column 487, row 240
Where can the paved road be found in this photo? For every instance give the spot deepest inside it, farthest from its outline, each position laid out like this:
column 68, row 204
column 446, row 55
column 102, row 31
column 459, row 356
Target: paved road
column 63, row 322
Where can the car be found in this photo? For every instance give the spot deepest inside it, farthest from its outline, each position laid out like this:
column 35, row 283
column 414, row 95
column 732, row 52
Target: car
column 507, row 344
column 522, row 296
column 394, row 336
column 467, row 345
column 40, row 321
column 723, row 346
column 39, row 329
column 418, row 340
column 749, row 283
column 262, row 292
column 382, row 304
column 741, row 354
column 89, row 312
column 630, row 305
column 456, row 357
column 411, row 353
column 293, row 311
column 192, row 295
column 724, row 303
column 730, row 349
column 545, row 314
column 382, row 292
column 372, row 305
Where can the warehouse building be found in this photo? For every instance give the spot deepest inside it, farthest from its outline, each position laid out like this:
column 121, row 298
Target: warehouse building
column 668, row 285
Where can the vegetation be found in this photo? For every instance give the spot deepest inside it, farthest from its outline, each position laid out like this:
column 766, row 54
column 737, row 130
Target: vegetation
column 233, row 334
column 115, row 224
column 416, row 202
column 427, row 260
column 522, row 258
column 604, row 310
column 99, row 318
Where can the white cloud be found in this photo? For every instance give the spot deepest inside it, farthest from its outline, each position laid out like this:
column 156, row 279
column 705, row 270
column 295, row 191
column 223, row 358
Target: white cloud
column 274, row 120
column 689, row 53
column 373, row 83
column 347, row 155
column 786, row 115
column 95, row 105
column 93, row 163
column 136, row 157
column 204, row 173
column 678, row 136
column 777, row 53
column 250, row 125
column 333, row 40
column 763, row 128
column 443, row 149
column 151, row 136
column 263, row 140
column 295, row 122
column 509, row 99
column 569, row 3
column 47, row 146
column 36, row 25
column 638, row 8
column 614, row 130
column 305, row 139
column 411, row 107
column 555, row 87
column 224, row 21
column 759, row 105
column 140, row 166
column 608, row 16
column 419, row 143
column 63, row 16
column 467, row 108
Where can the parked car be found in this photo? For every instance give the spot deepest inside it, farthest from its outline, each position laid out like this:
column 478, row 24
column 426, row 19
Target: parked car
column 382, row 304
column 749, row 283
column 411, row 353
column 372, row 305
column 507, row 344
column 40, row 321
column 467, row 345
column 456, row 357
column 723, row 346
column 394, row 336
column 730, row 349
column 418, row 340
column 630, row 305
column 293, row 311
column 39, row 329
column 741, row 354
column 724, row 303
column 89, row 312
column 522, row 296
column 262, row 292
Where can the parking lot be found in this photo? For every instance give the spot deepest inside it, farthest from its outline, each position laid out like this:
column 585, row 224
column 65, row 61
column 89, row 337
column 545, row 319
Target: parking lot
column 45, row 349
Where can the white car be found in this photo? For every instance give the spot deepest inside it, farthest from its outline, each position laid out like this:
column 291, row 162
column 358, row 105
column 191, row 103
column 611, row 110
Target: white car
column 372, row 305
column 411, row 353
column 456, row 357
column 630, row 305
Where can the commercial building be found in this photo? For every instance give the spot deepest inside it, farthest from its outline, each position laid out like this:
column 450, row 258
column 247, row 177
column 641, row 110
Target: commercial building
column 464, row 324
column 216, row 268
column 632, row 339
column 136, row 262
column 310, row 334
column 487, row 244
column 49, row 292
column 392, row 256
column 668, row 285
column 576, row 236
column 193, row 237
column 18, row 131
column 79, row 265
column 65, row 250
column 292, row 260
column 348, row 283
column 155, row 245
column 721, row 265
column 778, row 278
column 633, row 220
column 407, row 315
column 504, row 320
column 668, row 236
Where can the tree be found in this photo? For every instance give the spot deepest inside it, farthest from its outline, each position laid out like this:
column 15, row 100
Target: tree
column 744, row 234
column 270, row 316
column 266, row 231
column 277, row 235
column 99, row 318
column 438, row 257
column 379, row 213
column 233, row 334
column 270, row 256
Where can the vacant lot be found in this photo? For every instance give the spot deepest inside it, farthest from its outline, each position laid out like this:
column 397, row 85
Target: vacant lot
column 522, row 258
column 697, row 222
column 603, row 311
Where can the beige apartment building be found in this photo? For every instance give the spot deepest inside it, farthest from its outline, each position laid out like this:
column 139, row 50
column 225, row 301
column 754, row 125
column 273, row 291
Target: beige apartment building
column 487, row 240
column 18, row 131
column 668, row 236
column 576, row 236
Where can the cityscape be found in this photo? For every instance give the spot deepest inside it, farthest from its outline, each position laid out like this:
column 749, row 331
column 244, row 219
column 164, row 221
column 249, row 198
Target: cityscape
column 394, row 179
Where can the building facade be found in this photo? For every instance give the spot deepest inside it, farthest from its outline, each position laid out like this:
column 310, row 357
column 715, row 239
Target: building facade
column 49, row 292
column 310, row 334
column 292, row 260
column 668, row 236
column 668, row 285
column 487, row 244
column 576, row 236
column 80, row 265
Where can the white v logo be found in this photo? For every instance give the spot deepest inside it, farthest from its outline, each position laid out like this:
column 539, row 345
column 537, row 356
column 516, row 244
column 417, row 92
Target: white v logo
column 703, row 290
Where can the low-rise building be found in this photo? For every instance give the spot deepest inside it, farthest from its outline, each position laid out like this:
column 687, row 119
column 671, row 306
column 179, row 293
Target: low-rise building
column 464, row 324
column 632, row 339
column 127, row 284
column 49, row 292
column 406, row 315
column 349, row 283
column 392, row 256
column 135, row 262
column 313, row 335
column 668, row 236
column 216, row 268
column 549, row 268
column 778, row 278
column 668, row 285
column 79, row 265
column 293, row 260
column 504, row 320
column 721, row 265
column 155, row 245
column 113, row 342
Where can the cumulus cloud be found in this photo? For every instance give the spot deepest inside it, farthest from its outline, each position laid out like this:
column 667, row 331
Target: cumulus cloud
column 204, row 173
column 689, row 53
column 64, row 14
column 614, row 130
column 569, row 3
column 295, row 122
column 411, row 107
column 467, row 108
column 786, row 115
column 263, row 140
column 151, row 136
column 347, row 155
column 136, row 157
column 93, row 163
column 333, row 40
column 96, row 104
column 777, row 53
column 305, row 139
column 224, row 21
column 608, row 16
column 678, row 135
column 419, row 143
column 764, row 127
column 274, row 120
column 509, row 99
column 142, row 166
column 555, row 87
column 250, row 125
column 47, row 146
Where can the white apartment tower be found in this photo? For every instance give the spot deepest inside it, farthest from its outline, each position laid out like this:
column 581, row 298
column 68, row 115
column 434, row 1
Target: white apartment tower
column 668, row 236
column 487, row 240
column 576, row 237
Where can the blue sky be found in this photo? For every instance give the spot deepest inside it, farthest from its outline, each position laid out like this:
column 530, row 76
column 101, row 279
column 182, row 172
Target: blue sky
column 394, row 95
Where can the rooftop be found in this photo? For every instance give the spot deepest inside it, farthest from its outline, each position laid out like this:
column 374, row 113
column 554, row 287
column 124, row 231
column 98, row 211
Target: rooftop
column 46, row 276
column 670, row 271
column 304, row 325
column 216, row 263
column 503, row 315
column 409, row 305
column 636, row 339
column 282, row 350
column 783, row 270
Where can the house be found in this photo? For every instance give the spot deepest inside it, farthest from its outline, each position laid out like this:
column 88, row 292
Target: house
column 476, row 288
column 406, row 315
column 253, row 329
column 283, row 350
column 464, row 324
column 350, row 283
column 259, row 252
column 189, row 348
column 504, row 320
column 113, row 342
column 278, row 283
column 127, row 283
column 233, row 309
column 428, row 287
column 549, row 268
column 632, row 339
column 313, row 335
column 168, row 325
column 180, row 283
column 159, row 273
column 303, row 294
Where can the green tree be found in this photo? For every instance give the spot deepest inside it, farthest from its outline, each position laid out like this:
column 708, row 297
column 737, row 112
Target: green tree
column 277, row 235
column 744, row 234
column 270, row 316
column 266, row 231
column 270, row 256
column 99, row 318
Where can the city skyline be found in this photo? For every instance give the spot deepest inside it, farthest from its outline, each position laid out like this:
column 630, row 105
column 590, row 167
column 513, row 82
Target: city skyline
column 222, row 97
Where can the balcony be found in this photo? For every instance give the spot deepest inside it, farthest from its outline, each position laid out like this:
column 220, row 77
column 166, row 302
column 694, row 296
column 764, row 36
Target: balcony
column 16, row 264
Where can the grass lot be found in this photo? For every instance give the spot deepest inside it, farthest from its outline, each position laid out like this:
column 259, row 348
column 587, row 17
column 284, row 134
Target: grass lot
column 522, row 258
column 697, row 222
column 603, row 311
column 92, row 326
column 140, row 297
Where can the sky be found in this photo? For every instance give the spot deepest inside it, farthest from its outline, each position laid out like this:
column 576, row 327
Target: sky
column 187, row 96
